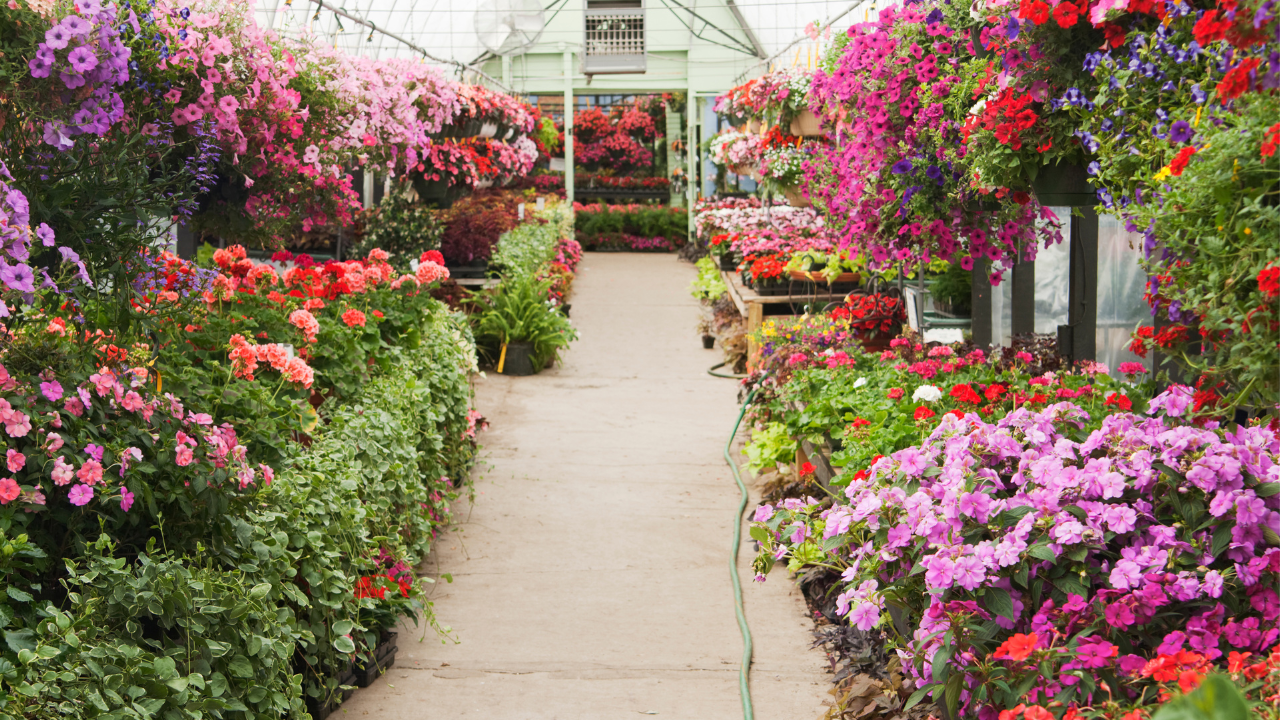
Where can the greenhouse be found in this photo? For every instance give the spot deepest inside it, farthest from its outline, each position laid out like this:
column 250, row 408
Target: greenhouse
column 512, row 359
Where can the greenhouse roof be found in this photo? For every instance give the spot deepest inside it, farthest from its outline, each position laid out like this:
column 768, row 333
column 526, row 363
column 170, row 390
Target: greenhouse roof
column 445, row 30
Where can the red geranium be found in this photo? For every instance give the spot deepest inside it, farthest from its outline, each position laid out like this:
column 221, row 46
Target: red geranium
column 924, row 413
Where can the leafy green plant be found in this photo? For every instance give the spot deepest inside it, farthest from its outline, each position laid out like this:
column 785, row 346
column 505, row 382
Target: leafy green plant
column 401, row 226
column 708, row 285
column 518, row 311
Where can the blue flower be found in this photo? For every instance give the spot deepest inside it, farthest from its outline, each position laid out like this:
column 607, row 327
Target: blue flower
column 1094, row 168
column 1197, row 93
column 1181, row 132
column 902, row 167
column 1011, row 28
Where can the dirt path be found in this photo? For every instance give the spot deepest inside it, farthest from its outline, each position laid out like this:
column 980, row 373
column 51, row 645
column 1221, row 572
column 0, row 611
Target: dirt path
column 590, row 576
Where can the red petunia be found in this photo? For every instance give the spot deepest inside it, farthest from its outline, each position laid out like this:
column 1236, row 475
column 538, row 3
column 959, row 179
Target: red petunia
column 1210, row 28
column 1066, row 14
column 1114, row 34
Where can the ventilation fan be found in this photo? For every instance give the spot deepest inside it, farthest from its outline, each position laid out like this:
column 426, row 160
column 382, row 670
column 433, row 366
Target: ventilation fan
column 509, row 27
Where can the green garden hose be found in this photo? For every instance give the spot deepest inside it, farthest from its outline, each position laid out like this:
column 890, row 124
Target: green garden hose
column 743, row 672
column 712, row 372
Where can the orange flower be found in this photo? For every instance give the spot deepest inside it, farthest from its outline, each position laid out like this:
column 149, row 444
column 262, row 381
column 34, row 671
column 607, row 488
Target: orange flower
column 1018, row 647
column 1035, row 712
column 1013, row 713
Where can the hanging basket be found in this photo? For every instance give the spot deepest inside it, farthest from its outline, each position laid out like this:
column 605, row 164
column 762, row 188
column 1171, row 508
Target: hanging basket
column 796, row 198
column 806, row 124
column 753, row 126
column 1064, row 185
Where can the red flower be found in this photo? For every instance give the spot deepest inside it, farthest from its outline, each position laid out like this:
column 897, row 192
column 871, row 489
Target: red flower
column 1271, row 140
column 1179, row 163
column 1236, row 81
column 924, row 413
column 994, row 391
column 1209, row 28
column 959, row 414
column 896, row 393
column 1017, row 648
column 1119, row 401
column 1114, row 34
column 1269, row 281
column 1019, row 196
column 1035, row 11
column 859, row 422
column 377, row 313
column 806, row 469
column 1066, row 14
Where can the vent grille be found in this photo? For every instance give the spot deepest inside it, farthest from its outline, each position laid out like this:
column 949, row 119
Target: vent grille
column 614, row 41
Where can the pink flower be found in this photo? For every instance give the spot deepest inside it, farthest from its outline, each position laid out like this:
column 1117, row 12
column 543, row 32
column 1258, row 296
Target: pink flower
column 353, row 318
column 51, row 390
column 15, row 460
column 273, row 353
column 183, row 455
column 17, row 424
column 132, row 401
column 299, row 371
column 9, row 490
column 80, row 495
column 763, row 513
column 74, row 407
column 63, row 471
column 268, row 475
column 306, row 322
column 1132, row 368
column 126, row 499
column 90, row 472
column 54, row 442
column 865, row 616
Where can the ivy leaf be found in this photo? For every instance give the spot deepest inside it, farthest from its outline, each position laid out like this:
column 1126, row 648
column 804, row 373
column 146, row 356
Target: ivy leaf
column 344, row 644
column 999, row 602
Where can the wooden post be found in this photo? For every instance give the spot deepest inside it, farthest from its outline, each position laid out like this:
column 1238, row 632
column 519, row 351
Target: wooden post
column 1024, row 298
column 1077, row 340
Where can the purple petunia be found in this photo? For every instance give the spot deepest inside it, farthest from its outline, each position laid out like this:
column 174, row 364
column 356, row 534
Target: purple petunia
column 18, row 277
column 57, row 37
column 40, row 67
column 45, row 233
column 901, row 167
column 76, row 25
column 82, row 59
column 1181, row 132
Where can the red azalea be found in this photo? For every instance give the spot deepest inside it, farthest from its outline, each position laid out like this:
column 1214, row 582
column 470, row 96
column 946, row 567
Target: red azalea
column 924, row 413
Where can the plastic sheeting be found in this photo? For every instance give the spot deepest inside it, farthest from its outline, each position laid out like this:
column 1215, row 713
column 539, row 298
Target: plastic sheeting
column 1121, row 283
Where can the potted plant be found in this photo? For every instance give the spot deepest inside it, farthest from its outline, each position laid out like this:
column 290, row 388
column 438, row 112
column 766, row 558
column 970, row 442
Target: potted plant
column 518, row 329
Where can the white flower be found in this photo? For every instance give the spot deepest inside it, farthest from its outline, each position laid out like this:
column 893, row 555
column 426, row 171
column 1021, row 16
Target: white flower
column 859, row 383
column 927, row 393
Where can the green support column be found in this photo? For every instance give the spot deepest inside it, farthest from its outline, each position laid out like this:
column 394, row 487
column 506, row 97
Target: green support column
column 690, row 149
column 568, row 125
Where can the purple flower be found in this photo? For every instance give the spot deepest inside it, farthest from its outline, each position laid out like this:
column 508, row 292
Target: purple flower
column 1126, row 575
column 1181, row 132
column 51, row 390
column 76, row 25
column 45, row 233
column 910, row 461
column 1212, row 584
column 865, row 616
column 94, row 451
column 57, row 37
column 69, row 255
column 80, row 495
column 968, row 572
column 40, row 67
column 126, row 497
column 18, row 277
column 90, row 7
column 82, row 59
column 901, row 167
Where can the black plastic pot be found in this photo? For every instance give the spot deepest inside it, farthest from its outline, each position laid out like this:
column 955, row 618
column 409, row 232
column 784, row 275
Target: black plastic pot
column 728, row 263
column 384, row 656
column 517, row 359
column 1064, row 185
column 708, row 341
column 319, row 709
column 476, row 270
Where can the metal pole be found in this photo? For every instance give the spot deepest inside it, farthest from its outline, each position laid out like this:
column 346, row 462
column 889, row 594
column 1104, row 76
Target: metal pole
column 568, row 123
column 690, row 142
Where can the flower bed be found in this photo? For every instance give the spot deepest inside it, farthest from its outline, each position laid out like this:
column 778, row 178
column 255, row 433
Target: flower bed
column 630, row 227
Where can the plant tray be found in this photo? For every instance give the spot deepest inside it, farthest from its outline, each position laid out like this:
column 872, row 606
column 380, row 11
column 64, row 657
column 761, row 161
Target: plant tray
column 320, row 710
column 728, row 263
column 384, row 656
column 468, row 271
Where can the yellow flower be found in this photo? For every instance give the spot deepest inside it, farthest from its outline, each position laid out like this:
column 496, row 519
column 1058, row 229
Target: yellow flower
column 1165, row 172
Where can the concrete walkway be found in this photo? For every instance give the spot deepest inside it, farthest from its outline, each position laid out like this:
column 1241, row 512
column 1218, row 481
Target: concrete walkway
column 590, row 576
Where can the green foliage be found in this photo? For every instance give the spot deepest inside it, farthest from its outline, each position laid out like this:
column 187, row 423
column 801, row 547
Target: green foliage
column 548, row 135
column 770, row 446
column 955, row 286
column 525, row 249
column 596, row 223
column 401, row 226
column 709, row 285
column 1217, row 698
